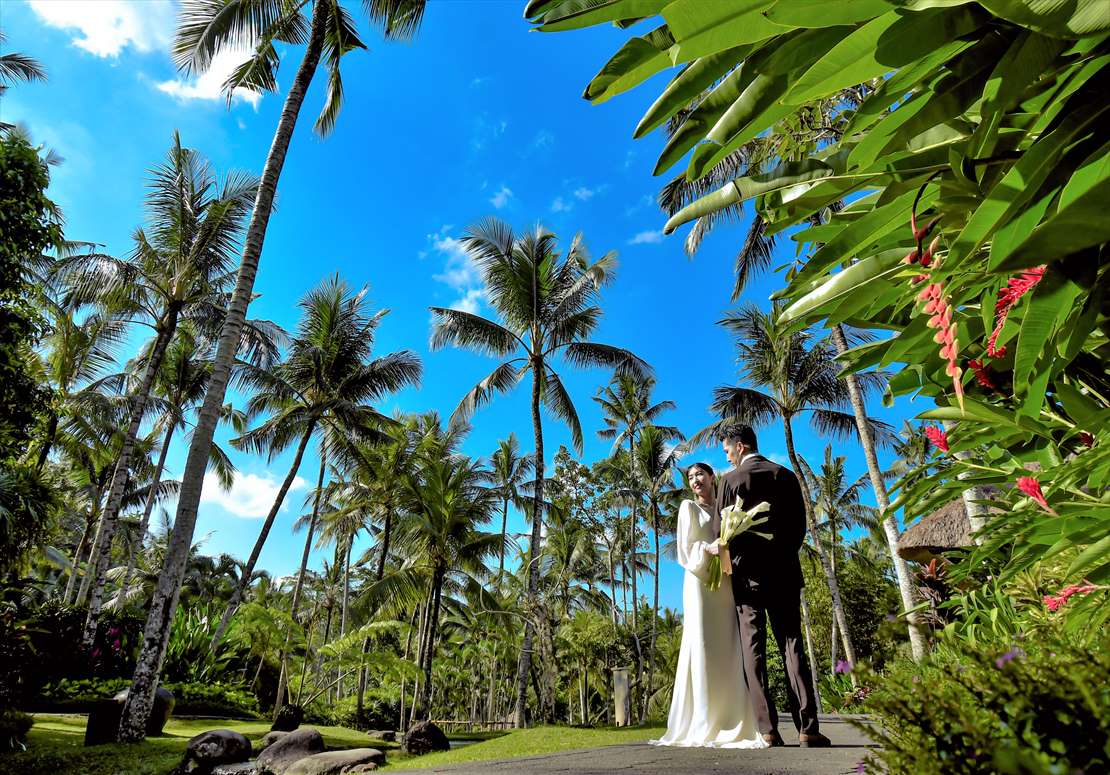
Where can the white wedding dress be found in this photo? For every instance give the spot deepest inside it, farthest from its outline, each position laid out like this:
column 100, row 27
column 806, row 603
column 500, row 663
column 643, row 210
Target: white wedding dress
column 710, row 706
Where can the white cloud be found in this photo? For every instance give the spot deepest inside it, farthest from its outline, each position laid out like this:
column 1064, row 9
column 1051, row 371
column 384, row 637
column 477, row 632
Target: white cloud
column 250, row 497
column 560, row 205
column 502, row 197
column 647, row 238
column 106, row 27
column 209, row 85
column 460, row 273
column 543, row 139
column 584, row 193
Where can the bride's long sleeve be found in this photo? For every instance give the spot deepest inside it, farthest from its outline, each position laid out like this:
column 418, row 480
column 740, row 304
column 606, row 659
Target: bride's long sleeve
column 692, row 555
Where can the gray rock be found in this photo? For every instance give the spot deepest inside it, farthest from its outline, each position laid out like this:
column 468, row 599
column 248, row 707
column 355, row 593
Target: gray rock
column 159, row 714
column 288, row 750
column 219, row 746
column 385, row 735
column 242, row 768
column 270, row 738
column 358, row 769
column 336, row 762
column 424, row 738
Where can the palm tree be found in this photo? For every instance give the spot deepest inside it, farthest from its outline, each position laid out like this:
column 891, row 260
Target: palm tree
column 447, row 500
column 17, row 67
column 205, row 29
column 657, row 462
column 547, row 305
column 326, row 383
column 837, row 507
column 801, row 377
column 509, row 475
column 178, row 271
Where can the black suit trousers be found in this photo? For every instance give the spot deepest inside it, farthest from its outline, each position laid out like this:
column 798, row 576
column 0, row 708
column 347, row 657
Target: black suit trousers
column 783, row 611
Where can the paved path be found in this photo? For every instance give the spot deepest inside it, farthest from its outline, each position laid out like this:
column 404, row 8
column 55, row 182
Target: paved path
column 849, row 747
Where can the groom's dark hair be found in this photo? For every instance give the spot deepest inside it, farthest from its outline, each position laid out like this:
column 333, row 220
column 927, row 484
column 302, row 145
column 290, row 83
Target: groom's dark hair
column 741, row 433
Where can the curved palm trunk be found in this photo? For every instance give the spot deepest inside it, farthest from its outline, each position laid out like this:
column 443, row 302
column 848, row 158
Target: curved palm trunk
column 148, row 668
column 150, row 498
column 424, row 703
column 635, row 572
column 283, row 677
column 809, row 647
column 343, row 604
column 504, row 528
column 248, row 570
column 90, row 520
column 918, row 639
column 524, row 664
column 387, row 526
column 830, row 577
column 100, row 558
column 654, row 615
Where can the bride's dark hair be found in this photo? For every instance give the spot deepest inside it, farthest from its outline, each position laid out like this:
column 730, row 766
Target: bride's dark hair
column 704, row 467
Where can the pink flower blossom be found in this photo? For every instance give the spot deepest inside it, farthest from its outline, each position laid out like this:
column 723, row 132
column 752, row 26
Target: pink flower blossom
column 1032, row 488
column 982, row 374
column 1056, row 602
column 937, row 437
column 842, row 666
column 1018, row 286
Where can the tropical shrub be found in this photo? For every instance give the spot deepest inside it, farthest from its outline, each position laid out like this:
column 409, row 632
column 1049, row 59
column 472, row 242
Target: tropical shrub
column 190, row 699
column 189, row 653
column 1038, row 706
column 14, row 727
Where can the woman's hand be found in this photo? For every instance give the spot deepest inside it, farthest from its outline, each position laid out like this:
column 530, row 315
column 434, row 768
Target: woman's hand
column 714, row 548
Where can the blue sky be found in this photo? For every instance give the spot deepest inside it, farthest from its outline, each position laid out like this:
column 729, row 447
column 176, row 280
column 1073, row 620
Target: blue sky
column 479, row 116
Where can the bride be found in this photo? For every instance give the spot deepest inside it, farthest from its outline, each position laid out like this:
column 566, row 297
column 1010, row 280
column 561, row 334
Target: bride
column 710, row 706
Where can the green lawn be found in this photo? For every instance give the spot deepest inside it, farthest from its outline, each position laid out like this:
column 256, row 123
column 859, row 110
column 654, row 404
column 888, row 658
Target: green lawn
column 55, row 746
column 529, row 742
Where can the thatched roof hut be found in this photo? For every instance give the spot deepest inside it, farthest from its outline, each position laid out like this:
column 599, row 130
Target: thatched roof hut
column 946, row 528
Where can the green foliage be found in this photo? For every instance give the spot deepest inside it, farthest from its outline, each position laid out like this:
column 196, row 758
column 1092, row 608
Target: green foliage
column 14, row 727
column 1040, row 706
column 189, row 656
column 191, row 698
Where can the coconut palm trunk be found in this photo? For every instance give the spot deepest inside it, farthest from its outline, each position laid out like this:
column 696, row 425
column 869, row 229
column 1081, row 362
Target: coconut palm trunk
column 830, row 576
column 918, row 639
column 298, row 588
column 524, row 663
column 809, row 647
column 433, row 625
column 248, row 570
column 148, row 668
column 151, row 496
column 101, row 555
column 654, row 614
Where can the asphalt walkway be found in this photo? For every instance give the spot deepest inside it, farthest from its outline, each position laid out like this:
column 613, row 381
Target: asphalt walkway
column 849, row 748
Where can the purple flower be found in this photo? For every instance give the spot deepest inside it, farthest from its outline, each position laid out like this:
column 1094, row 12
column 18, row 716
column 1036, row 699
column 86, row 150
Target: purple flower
column 116, row 644
column 842, row 666
column 891, row 618
column 860, row 767
column 1009, row 656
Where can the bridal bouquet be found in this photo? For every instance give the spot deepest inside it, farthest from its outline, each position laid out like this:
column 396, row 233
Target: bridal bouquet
column 734, row 521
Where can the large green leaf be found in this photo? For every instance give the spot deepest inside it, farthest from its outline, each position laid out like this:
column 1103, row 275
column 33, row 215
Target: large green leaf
column 695, row 126
column 822, row 13
column 702, row 28
column 1062, row 18
column 575, row 15
column 884, row 44
column 852, row 280
column 638, row 59
column 691, row 82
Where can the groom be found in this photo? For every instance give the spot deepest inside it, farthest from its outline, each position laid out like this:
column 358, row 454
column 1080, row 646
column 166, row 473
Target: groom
column 767, row 583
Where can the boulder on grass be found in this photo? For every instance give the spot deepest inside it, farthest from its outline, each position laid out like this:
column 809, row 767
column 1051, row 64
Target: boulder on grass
column 336, row 762
column 385, row 735
column 270, row 738
column 242, row 768
column 217, row 746
column 359, row 769
column 288, row 718
column 291, row 748
column 159, row 714
column 424, row 738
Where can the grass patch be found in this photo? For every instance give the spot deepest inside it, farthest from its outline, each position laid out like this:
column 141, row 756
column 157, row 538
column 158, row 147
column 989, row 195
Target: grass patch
column 527, row 742
column 55, row 746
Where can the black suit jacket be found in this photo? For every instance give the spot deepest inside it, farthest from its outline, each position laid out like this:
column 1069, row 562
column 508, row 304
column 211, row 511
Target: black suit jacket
column 762, row 567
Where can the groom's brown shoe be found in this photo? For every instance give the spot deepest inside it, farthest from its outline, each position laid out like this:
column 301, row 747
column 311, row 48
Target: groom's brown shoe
column 813, row 740
column 773, row 739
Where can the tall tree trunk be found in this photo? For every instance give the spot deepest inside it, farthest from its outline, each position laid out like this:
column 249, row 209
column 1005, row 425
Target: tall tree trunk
column 809, row 647
column 491, row 711
column 654, row 614
column 524, row 664
column 283, row 676
column 635, row 572
column 612, row 584
column 504, row 527
column 101, row 555
column 151, row 496
column 343, row 604
column 834, row 631
column 48, row 442
column 433, row 626
column 248, row 570
column 148, row 668
column 906, row 589
column 380, row 574
column 74, row 571
column 834, row 588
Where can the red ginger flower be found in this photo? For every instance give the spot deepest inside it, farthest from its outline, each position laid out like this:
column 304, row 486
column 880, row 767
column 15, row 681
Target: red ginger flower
column 1032, row 488
column 982, row 374
column 1087, row 439
column 937, row 437
column 941, row 313
column 1056, row 602
column 1018, row 286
